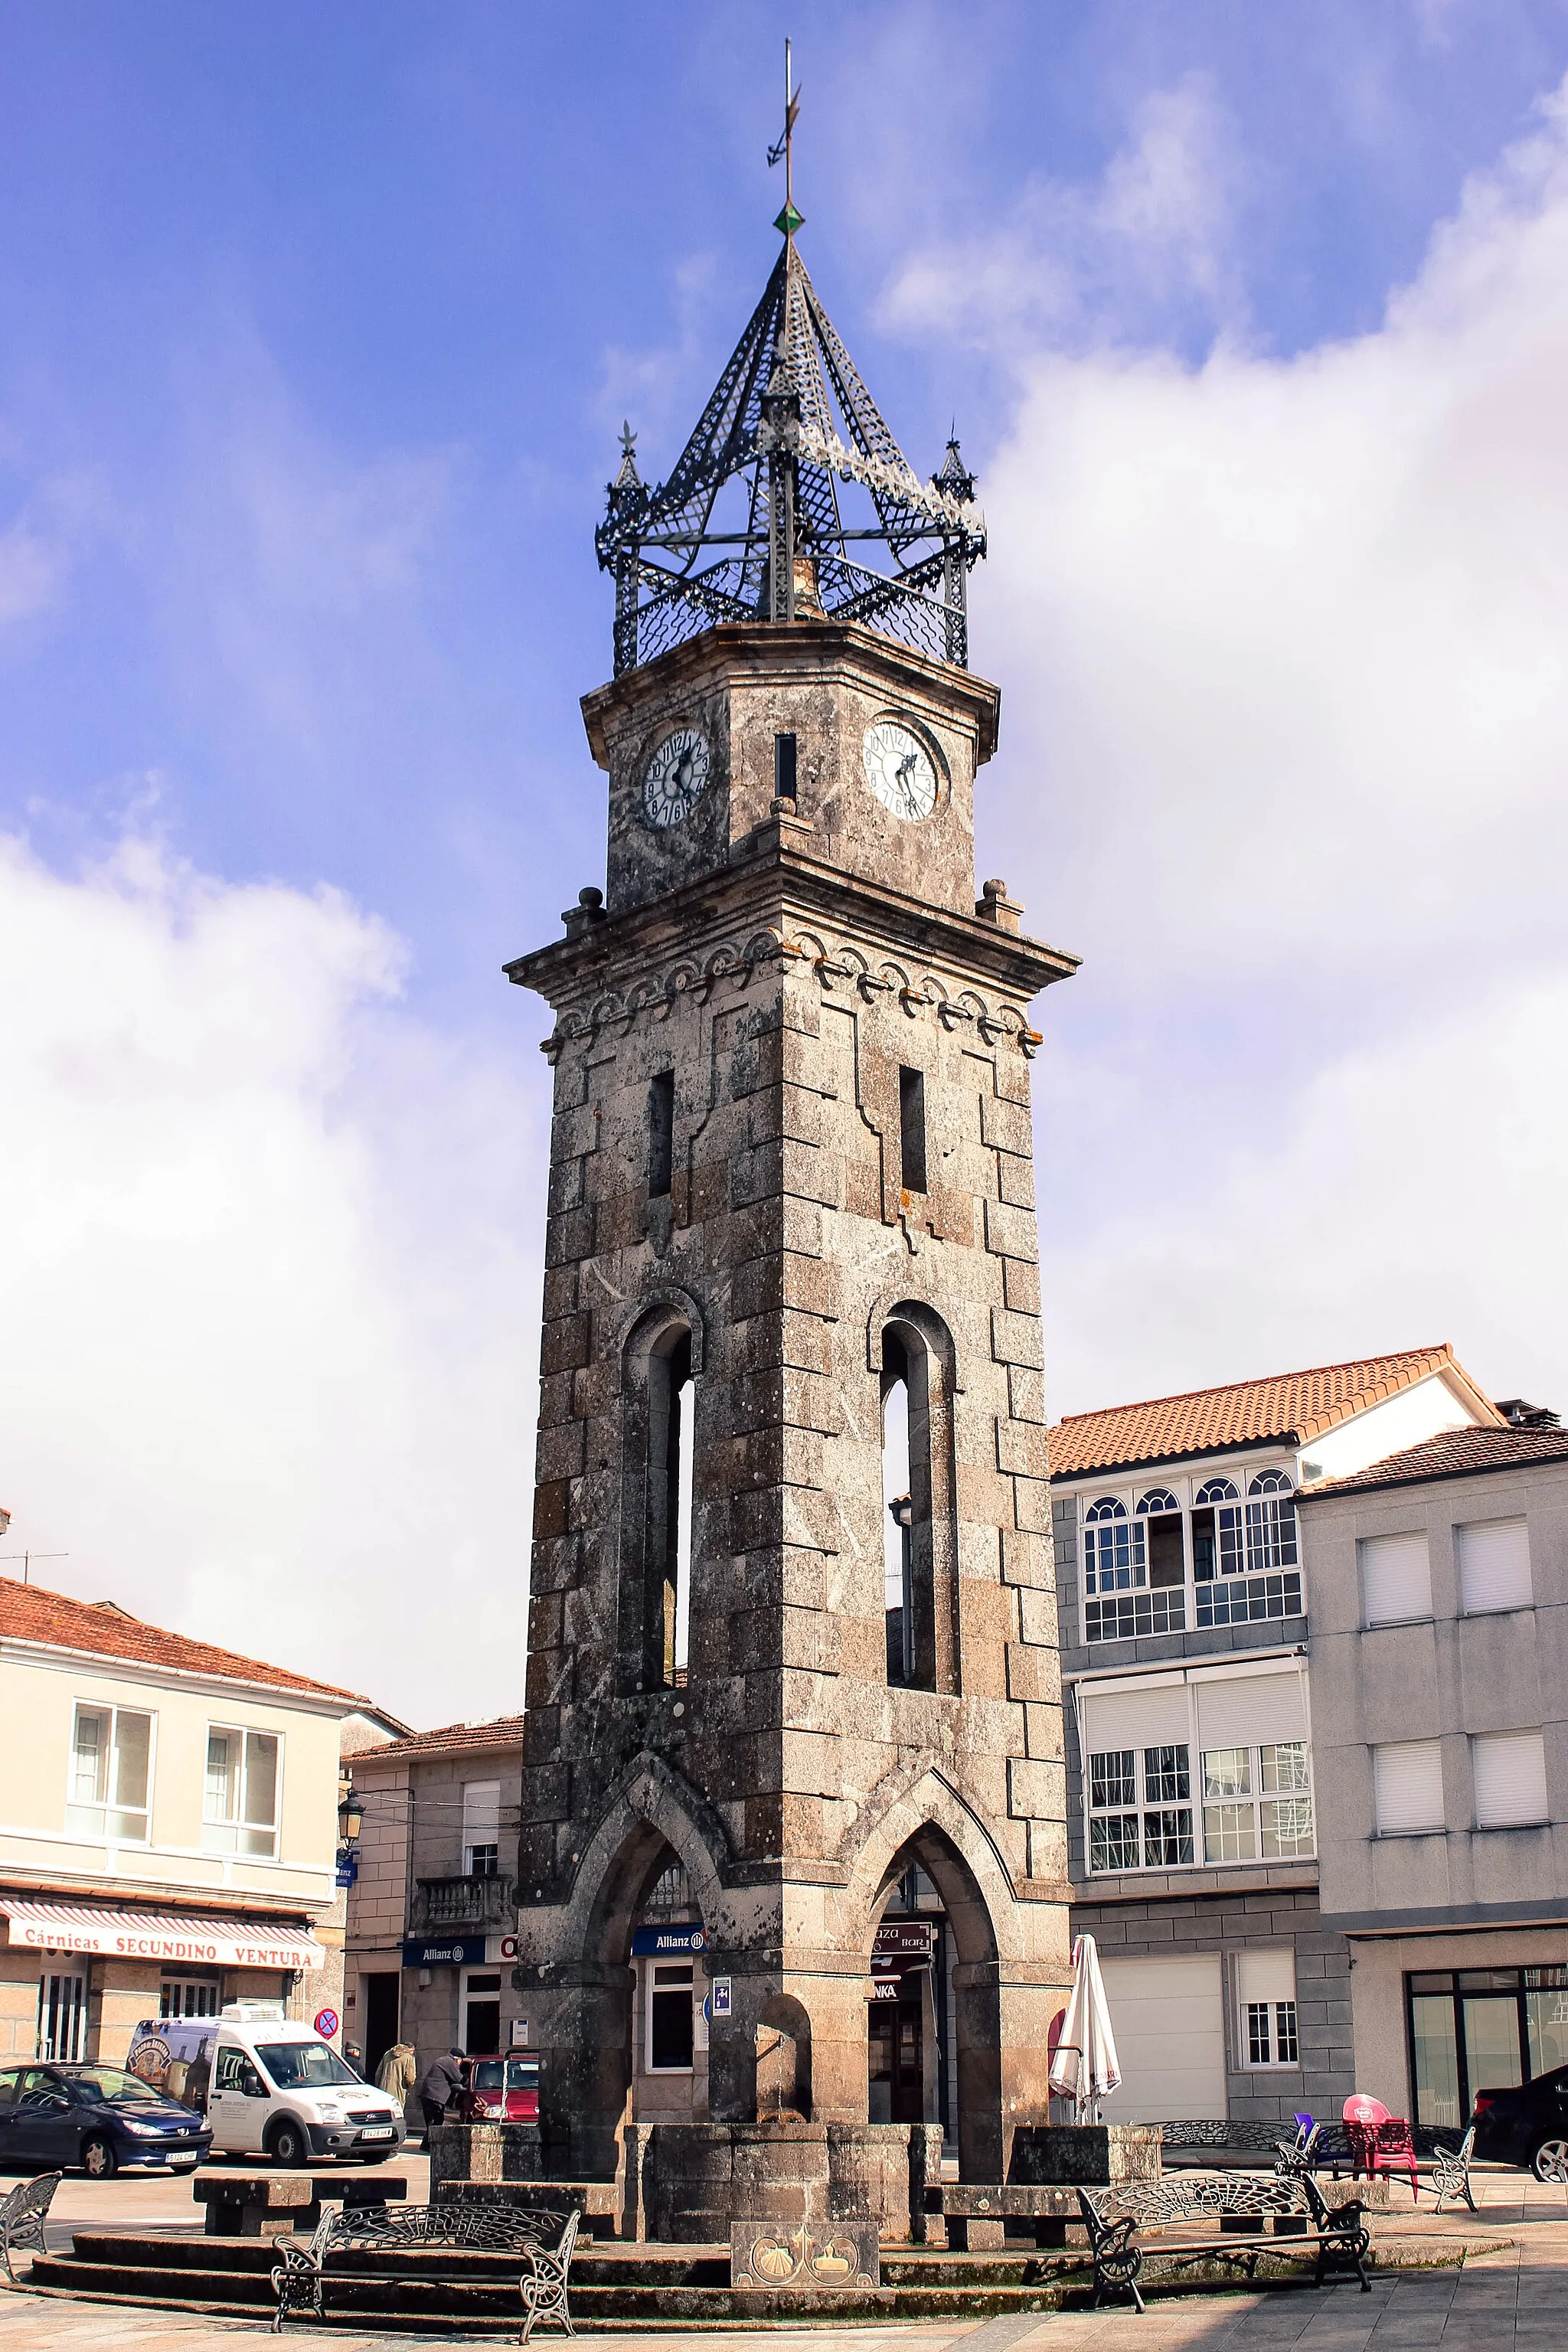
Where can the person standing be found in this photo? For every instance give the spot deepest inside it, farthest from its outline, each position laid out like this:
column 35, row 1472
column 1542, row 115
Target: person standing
column 395, row 2074
column 440, row 2079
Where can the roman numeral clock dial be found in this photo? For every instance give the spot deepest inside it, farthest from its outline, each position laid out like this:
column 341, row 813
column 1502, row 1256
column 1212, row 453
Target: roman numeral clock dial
column 899, row 770
column 676, row 777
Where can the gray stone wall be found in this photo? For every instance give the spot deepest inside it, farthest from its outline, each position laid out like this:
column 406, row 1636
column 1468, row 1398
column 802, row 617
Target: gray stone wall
column 1446, row 1676
column 1229, row 1924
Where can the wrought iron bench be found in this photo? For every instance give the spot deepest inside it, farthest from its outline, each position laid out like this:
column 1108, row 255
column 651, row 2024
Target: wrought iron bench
column 1128, row 2225
column 1451, row 2170
column 22, row 2217
column 544, row 2240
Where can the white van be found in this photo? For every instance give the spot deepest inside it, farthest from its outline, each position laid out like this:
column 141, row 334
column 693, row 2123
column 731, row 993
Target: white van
column 267, row 2086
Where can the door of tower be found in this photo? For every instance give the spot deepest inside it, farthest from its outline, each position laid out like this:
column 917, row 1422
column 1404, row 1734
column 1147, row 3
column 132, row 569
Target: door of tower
column 908, row 2050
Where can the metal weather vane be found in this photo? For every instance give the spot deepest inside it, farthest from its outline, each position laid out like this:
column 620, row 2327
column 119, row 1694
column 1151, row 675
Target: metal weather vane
column 789, row 422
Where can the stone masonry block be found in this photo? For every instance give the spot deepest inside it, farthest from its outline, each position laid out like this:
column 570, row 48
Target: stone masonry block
column 1021, row 1286
column 1010, row 1231
column 566, row 1345
column 1038, row 1618
column 1006, row 1126
column 1015, row 1338
column 1025, row 1392
column 575, row 1134
column 1034, row 1789
column 565, row 1188
column 1021, row 1447
column 1012, row 1074
column 560, row 1453
column 1015, row 1181
column 1032, row 1672
column 1032, row 1505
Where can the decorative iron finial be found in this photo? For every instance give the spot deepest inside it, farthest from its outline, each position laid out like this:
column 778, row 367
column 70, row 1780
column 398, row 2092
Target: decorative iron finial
column 955, row 476
column 783, row 150
column 628, row 478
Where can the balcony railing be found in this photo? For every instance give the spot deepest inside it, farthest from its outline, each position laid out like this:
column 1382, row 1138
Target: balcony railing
column 479, row 1904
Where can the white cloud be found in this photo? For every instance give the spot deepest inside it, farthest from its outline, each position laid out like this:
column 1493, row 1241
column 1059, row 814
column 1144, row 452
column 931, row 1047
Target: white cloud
column 1156, row 230
column 269, row 1282
column 1285, row 750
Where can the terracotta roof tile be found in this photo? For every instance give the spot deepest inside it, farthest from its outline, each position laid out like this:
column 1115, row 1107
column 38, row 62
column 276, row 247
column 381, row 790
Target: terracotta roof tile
column 28, row 1613
column 1452, row 1454
column 501, row 1731
column 1294, row 1406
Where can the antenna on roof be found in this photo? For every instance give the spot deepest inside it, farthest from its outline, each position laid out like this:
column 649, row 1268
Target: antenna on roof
column 27, row 1558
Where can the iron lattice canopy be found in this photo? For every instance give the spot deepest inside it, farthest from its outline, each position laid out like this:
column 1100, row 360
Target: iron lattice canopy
column 789, row 423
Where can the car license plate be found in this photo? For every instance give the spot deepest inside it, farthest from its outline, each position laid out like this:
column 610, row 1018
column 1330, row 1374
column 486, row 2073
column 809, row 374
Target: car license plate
column 379, row 2131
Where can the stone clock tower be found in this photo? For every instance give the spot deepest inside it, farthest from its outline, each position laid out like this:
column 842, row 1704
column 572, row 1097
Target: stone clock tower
column 791, row 1204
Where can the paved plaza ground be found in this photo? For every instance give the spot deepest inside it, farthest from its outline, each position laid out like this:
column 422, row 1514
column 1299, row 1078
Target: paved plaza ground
column 1516, row 2297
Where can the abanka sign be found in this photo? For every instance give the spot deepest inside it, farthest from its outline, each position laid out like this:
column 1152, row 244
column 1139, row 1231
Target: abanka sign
column 234, row 1943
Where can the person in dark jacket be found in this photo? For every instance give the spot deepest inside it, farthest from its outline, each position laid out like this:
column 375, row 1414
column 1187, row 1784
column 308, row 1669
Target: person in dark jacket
column 436, row 2088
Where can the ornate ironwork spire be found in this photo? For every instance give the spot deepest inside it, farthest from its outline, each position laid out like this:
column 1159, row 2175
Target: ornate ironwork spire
column 749, row 523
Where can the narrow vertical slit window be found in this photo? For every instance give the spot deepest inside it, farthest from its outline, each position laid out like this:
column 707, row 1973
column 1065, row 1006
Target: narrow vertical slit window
column 660, row 1134
column 897, row 1529
column 685, row 1418
column 912, row 1130
column 784, row 767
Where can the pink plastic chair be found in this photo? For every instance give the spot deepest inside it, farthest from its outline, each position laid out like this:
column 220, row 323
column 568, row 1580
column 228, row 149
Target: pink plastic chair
column 1379, row 2142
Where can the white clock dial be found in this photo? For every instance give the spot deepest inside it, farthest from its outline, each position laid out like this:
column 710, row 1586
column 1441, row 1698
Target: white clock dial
column 899, row 770
column 676, row 777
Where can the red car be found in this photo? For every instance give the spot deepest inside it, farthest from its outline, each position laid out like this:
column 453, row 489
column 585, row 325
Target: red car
column 503, row 2090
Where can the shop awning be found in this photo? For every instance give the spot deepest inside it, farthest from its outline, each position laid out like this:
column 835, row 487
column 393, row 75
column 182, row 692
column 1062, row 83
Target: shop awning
column 234, row 1942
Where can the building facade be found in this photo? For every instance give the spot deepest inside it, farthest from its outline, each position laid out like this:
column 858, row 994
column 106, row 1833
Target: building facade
column 169, row 1840
column 1440, row 1668
column 1196, row 1819
column 432, row 1910
column 791, row 1277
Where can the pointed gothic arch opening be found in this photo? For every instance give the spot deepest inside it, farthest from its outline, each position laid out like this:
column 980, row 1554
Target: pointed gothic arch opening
column 921, row 1554
column 933, row 2020
column 658, row 1450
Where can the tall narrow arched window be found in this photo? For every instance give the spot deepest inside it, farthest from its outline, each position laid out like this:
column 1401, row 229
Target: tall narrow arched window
column 921, row 1557
column 1270, row 1522
column 656, row 1505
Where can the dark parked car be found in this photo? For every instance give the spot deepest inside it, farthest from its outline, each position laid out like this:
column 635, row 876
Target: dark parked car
column 97, row 2117
column 1527, row 2126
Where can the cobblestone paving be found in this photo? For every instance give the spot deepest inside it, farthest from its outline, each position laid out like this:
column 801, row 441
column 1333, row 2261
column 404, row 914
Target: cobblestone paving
column 1513, row 2301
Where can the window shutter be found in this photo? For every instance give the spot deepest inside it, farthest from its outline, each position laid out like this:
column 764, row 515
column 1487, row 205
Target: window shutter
column 1395, row 1577
column 1407, row 1780
column 481, row 1812
column 1265, row 1976
column 1494, row 1566
column 1154, row 1718
column 1250, row 1710
column 1511, row 1778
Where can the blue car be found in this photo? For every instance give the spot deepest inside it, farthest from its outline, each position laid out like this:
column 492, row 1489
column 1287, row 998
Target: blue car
column 56, row 2119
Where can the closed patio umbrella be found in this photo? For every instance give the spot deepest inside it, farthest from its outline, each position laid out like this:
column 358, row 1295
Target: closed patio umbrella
column 1084, row 2069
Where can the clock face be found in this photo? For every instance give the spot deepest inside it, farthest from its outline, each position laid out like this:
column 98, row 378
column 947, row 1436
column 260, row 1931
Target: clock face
column 676, row 777
column 899, row 770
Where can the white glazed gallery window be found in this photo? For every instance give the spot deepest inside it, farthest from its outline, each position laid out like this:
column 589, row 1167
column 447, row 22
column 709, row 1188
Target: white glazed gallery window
column 1510, row 1770
column 1395, row 1578
column 1140, row 1808
column 1494, row 1566
column 1407, row 1788
column 1266, row 1987
column 1121, row 1600
column 669, row 2007
column 110, row 1774
column 1258, row 1803
column 240, row 1806
column 482, row 1829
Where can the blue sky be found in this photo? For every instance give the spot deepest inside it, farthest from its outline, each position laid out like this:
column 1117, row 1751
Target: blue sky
column 320, row 324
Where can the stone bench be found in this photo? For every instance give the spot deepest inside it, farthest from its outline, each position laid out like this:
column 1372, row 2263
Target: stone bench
column 272, row 2204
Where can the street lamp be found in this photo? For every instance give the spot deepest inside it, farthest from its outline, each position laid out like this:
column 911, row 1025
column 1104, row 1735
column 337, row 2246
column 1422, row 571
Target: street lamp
column 351, row 1814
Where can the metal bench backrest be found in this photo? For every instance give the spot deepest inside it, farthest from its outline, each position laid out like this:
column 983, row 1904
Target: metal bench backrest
column 23, row 2212
column 1154, row 2204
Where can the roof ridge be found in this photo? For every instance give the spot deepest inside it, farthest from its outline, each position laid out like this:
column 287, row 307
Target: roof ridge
column 95, row 1623
column 1257, row 1380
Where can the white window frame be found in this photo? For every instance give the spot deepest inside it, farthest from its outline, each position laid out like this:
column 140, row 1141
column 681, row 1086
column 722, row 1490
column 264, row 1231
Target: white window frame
column 238, row 1823
column 1275, row 2029
column 472, row 1846
column 670, row 1967
column 74, row 2016
column 1143, row 1806
column 75, row 1804
column 1262, row 1589
column 1256, row 1795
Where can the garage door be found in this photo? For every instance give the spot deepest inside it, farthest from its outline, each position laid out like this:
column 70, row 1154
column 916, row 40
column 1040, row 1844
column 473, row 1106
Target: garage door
column 1168, row 2017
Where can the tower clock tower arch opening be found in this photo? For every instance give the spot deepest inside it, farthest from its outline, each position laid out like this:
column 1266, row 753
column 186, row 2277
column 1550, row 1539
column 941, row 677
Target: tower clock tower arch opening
column 790, row 1212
